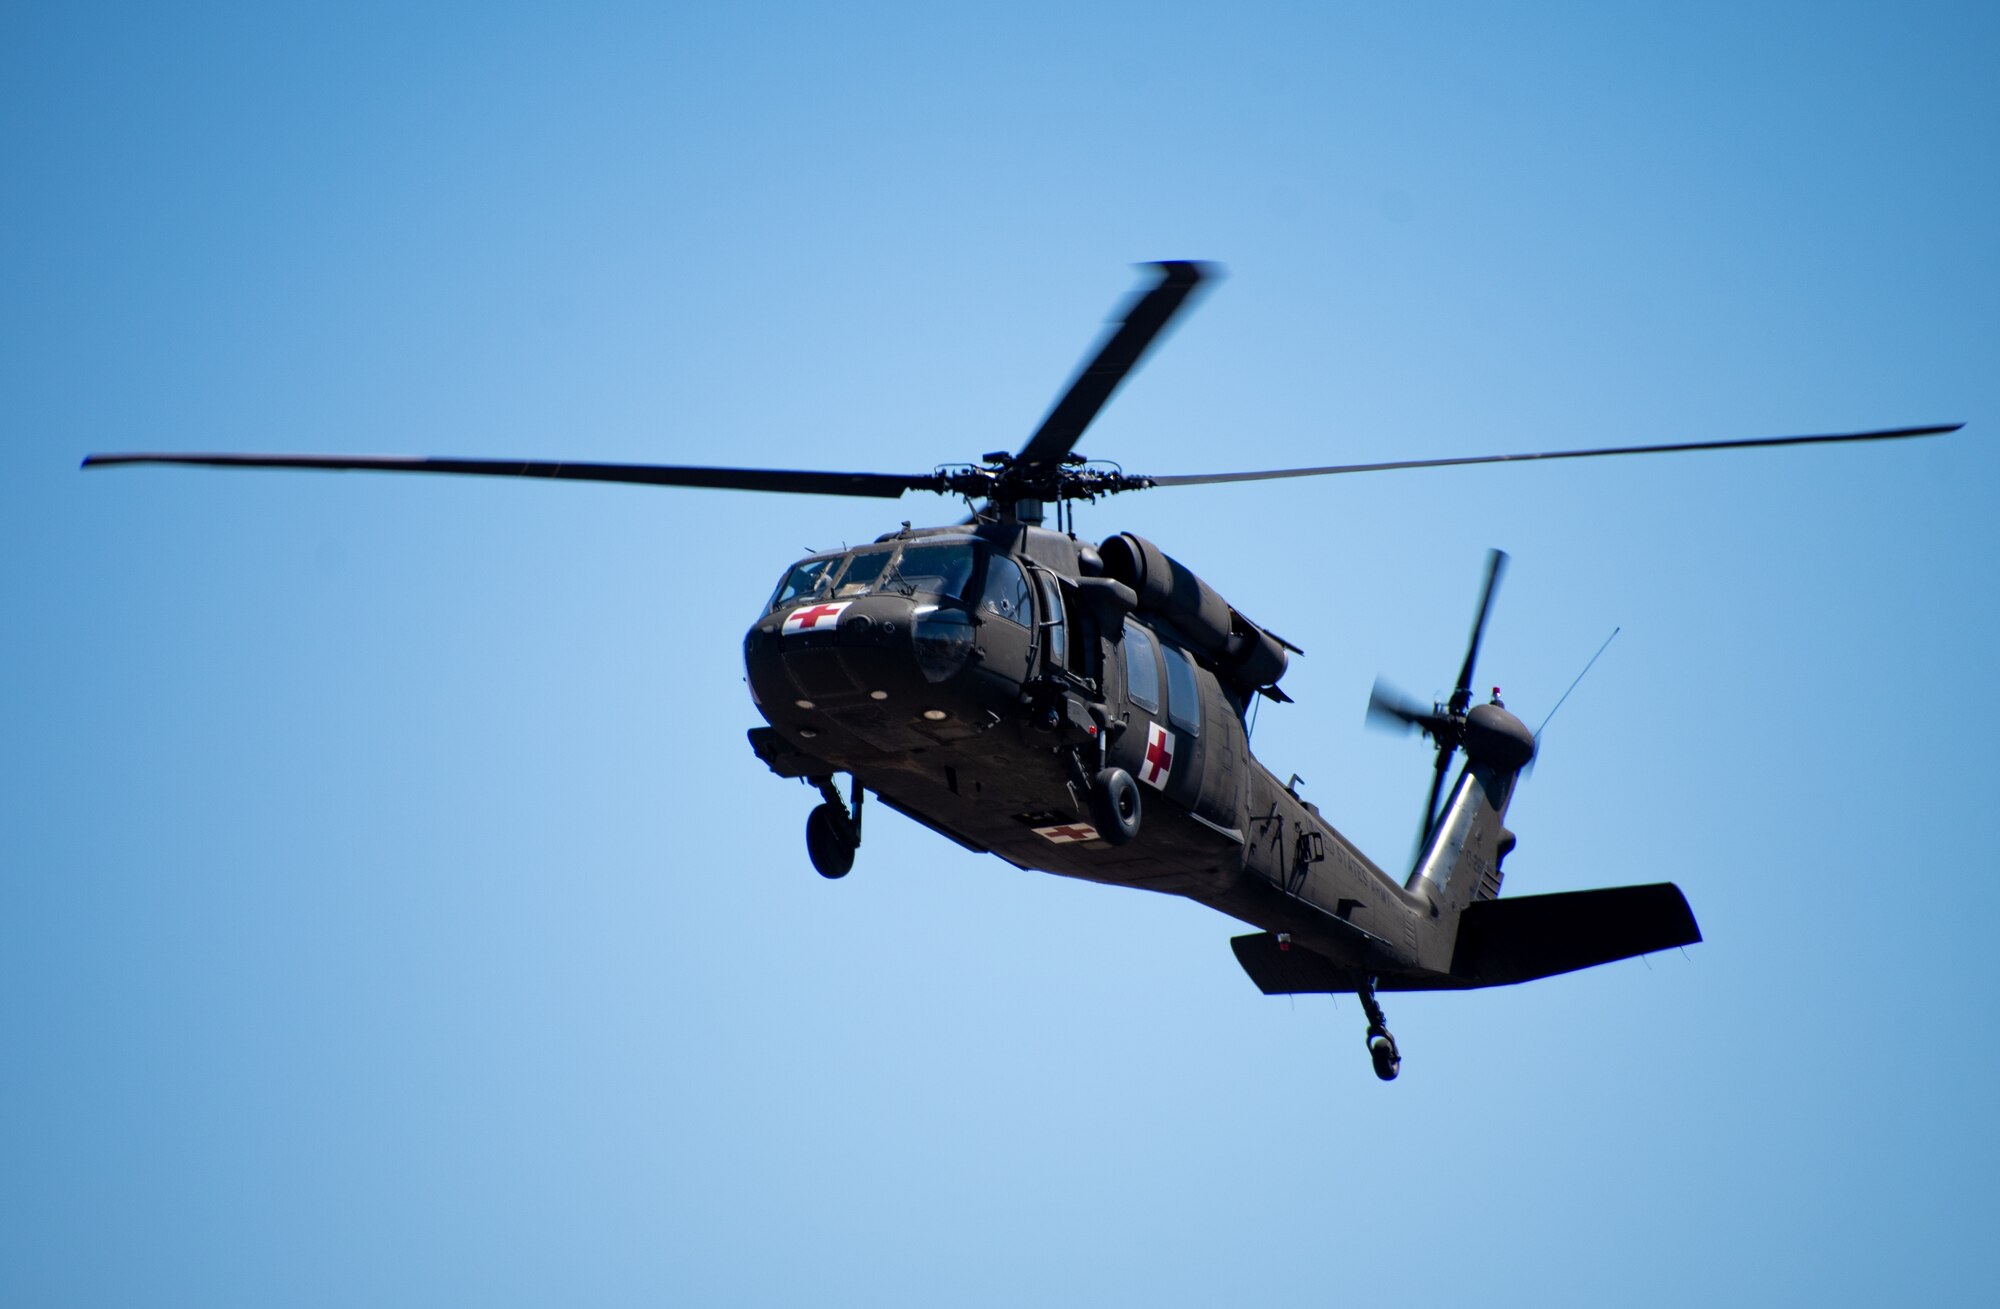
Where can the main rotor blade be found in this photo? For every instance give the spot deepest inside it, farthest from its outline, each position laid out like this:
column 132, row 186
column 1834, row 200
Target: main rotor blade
column 1888, row 434
column 1121, row 352
column 790, row 481
column 1496, row 567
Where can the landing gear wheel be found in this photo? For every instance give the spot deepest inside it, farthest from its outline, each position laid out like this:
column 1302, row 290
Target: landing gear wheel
column 829, row 840
column 1114, row 805
column 1381, row 1045
column 1382, row 1049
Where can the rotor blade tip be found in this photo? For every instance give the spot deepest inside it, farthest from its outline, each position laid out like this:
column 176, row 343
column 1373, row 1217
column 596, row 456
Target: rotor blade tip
column 1185, row 272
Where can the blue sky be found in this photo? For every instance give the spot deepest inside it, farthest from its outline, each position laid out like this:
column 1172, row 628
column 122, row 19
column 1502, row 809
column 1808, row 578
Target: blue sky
column 391, row 910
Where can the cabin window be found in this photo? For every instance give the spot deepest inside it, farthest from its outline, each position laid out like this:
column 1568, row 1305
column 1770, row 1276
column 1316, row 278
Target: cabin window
column 1142, row 671
column 1052, row 621
column 1183, row 695
column 1006, row 592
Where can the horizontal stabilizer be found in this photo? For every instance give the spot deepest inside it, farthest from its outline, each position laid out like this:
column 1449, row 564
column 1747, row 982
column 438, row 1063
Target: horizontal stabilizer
column 1520, row 938
column 1500, row 942
column 1281, row 968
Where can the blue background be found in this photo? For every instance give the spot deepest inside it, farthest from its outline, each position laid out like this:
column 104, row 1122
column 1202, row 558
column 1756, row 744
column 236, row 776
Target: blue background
column 390, row 908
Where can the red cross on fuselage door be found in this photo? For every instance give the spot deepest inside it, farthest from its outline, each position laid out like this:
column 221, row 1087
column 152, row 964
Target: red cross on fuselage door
column 1158, row 761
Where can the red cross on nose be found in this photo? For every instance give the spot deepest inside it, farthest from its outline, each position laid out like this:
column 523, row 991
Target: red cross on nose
column 810, row 617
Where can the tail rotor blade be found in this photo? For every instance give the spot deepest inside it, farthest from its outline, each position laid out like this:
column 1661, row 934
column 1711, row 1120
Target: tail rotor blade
column 1496, row 567
column 1391, row 709
column 1445, row 723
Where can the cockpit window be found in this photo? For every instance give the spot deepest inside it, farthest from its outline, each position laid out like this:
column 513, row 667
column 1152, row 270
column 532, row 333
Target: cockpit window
column 807, row 579
column 936, row 567
column 941, row 568
column 864, row 568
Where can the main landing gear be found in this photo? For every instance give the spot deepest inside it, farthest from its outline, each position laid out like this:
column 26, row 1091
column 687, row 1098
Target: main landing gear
column 1381, row 1045
column 1114, row 805
column 1110, row 793
column 833, row 831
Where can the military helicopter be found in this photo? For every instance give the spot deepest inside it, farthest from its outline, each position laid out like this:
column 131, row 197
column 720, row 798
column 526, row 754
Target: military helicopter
column 1082, row 710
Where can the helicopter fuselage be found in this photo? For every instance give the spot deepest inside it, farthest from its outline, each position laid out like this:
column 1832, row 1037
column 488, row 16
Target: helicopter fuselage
column 979, row 679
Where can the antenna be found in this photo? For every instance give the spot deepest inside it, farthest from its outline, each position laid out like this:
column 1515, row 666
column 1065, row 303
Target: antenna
column 1572, row 686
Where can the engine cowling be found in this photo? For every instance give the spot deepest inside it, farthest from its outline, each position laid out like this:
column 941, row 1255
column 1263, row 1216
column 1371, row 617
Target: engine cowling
column 1166, row 587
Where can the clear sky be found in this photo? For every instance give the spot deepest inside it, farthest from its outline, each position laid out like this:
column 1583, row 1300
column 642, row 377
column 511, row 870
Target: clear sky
column 392, row 912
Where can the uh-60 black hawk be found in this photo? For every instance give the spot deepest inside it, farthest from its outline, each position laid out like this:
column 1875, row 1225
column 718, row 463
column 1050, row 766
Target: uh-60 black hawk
column 1081, row 709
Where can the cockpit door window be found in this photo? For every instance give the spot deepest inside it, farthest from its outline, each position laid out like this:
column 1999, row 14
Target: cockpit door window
column 1054, row 631
column 1006, row 592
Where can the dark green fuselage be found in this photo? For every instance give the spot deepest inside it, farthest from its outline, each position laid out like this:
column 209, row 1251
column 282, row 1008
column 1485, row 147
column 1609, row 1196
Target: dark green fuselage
column 995, row 751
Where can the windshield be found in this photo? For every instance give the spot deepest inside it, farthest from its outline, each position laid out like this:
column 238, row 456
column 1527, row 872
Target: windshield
column 807, row 580
column 941, row 568
column 937, row 567
column 864, row 569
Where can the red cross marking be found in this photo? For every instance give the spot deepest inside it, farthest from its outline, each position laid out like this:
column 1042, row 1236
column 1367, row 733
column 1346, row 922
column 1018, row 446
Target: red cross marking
column 1159, row 755
column 1071, row 832
column 806, row 618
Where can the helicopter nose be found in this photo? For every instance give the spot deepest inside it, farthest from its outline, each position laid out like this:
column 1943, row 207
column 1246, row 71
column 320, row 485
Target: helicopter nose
column 861, row 652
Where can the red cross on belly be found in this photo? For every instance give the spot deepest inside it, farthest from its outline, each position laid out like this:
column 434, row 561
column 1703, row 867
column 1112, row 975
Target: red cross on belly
column 1068, row 833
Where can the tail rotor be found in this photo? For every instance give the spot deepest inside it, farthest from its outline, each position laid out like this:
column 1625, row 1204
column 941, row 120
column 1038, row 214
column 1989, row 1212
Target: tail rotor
column 1444, row 723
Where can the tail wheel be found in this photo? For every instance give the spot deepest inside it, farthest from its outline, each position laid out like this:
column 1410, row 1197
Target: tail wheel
column 1114, row 805
column 829, row 841
column 1388, row 1062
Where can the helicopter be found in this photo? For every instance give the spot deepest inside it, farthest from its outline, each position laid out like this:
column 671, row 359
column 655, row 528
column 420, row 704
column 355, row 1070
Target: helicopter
column 1084, row 709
